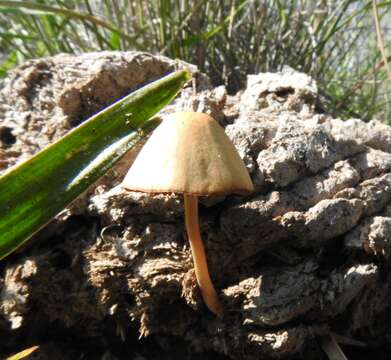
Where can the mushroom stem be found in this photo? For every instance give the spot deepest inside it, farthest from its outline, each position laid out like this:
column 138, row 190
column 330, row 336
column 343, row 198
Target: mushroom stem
column 200, row 264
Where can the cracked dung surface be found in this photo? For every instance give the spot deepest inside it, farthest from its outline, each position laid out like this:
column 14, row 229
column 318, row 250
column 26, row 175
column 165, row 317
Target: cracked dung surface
column 111, row 277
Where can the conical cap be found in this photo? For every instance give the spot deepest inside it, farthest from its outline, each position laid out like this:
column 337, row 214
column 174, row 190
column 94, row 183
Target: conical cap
column 189, row 153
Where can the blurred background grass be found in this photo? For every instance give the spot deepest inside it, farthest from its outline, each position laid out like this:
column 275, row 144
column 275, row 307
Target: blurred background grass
column 335, row 41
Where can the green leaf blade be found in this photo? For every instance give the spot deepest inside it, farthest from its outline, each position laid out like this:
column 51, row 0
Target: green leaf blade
column 32, row 193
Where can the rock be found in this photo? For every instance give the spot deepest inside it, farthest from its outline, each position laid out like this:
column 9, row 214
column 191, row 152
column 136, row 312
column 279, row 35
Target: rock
column 305, row 254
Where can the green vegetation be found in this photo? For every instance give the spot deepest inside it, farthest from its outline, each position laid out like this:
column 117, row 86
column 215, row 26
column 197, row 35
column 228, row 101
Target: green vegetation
column 32, row 193
column 333, row 40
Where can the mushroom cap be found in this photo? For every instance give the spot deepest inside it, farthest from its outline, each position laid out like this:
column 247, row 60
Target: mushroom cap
column 189, row 153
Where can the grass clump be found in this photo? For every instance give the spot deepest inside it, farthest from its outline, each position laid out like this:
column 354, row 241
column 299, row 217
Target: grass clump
column 332, row 40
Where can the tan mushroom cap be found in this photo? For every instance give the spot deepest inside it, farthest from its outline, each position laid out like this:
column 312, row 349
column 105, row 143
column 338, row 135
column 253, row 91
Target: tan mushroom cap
column 189, row 153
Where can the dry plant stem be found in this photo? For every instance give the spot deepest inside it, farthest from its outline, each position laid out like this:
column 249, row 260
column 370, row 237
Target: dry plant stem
column 200, row 264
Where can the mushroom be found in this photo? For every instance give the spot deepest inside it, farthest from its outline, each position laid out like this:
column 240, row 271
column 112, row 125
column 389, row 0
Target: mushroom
column 189, row 153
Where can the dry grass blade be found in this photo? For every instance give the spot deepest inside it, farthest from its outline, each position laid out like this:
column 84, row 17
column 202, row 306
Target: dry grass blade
column 361, row 82
column 331, row 348
column 22, row 354
column 380, row 38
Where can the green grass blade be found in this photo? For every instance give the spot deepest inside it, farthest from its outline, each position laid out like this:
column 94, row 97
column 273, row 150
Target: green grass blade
column 42, row 9
column 32, row 193
column 8, row 63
